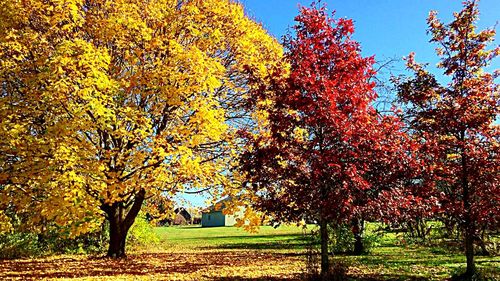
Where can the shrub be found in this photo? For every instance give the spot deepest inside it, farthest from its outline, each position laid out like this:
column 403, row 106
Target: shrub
column 28, row 244
column 55, row 241
column 17, row 245
column 342, row 239
column 142, row 234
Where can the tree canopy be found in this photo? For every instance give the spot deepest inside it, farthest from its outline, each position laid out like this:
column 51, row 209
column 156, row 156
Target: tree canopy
column 456, row 123
column 323, row 151
column 105, row 104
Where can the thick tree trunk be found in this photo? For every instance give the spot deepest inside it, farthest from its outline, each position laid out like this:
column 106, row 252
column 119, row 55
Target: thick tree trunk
column 120, row 220
column 325, row 264
column 357, row 231
column 117, row 239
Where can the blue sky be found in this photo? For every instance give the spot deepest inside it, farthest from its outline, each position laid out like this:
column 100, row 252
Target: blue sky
column 384, row 28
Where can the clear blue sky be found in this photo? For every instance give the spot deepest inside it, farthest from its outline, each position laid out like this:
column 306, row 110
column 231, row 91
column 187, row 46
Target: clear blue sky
column 384, row 28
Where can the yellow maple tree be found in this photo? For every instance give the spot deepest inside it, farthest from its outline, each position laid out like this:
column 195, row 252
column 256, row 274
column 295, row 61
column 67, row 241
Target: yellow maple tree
column 108, row 105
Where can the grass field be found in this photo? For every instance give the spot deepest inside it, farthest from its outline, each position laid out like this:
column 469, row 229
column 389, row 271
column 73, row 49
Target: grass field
column 284, row 238
column 228, row 253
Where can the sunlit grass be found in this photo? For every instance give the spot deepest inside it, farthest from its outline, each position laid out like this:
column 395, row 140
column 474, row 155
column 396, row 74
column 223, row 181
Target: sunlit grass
column 284, row 238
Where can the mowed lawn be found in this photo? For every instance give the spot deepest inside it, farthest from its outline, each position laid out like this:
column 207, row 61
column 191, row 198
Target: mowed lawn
column 229, row 253
column 281, row 239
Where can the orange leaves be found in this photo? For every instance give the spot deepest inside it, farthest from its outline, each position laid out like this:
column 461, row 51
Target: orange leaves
column 199, row 265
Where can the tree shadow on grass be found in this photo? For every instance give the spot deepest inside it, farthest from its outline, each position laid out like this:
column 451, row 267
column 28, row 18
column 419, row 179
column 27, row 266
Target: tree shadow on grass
column 388, row 277
column 261, row 242
column 374, row 277
column 428, row 261
column 251, row 237
column 260, row 246
column 240, row 278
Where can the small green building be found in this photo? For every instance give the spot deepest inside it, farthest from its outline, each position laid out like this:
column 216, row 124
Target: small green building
column 213, row 216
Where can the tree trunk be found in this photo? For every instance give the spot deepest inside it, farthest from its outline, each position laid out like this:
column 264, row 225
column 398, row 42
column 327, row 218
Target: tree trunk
column 323, row 228
column 120, row 220
column 357, row 231
column 469, row 225
column 469, row 251
column 418, row 227
column 117, row 239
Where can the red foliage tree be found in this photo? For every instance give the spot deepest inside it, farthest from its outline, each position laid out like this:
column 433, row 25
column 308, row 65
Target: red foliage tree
column 396, row 170
column 456, row 123
column 317, row 156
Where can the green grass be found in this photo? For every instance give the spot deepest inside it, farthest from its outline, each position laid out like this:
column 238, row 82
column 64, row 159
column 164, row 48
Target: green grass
column 395, row 259
column 287, row 238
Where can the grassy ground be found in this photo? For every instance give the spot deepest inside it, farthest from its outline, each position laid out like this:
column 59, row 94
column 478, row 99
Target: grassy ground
column 227, row 253
column 394, row 259
column 284, row 238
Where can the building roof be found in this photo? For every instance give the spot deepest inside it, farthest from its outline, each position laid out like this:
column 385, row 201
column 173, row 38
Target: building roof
column 218, row 206
column 183, row 212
